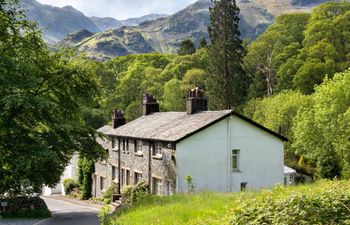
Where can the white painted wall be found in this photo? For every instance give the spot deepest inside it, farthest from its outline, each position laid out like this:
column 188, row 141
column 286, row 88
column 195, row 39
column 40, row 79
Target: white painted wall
column 206, row 157
column 71, row 171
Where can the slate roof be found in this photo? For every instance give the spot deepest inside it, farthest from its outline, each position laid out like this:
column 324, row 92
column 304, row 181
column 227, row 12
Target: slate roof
column 173, row 126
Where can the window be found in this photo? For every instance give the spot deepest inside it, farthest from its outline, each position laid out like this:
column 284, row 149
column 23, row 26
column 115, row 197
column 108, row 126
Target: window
column 170, row 188
column 156, row 186
column 138, row 146
column 157, row 150
column 114, row 174
column 115, row 143
column 235, row 156
column 125, row 177
column 125, row 147
column 244, row 186
column 102, row 185
column 137, row 177
column 122, row 177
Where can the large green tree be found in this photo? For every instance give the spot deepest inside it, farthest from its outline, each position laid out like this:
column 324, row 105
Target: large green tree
column 322, row 128
column 227, row 80
column 42, row 94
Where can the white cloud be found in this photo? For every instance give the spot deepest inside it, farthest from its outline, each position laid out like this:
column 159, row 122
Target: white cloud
column 122, row 9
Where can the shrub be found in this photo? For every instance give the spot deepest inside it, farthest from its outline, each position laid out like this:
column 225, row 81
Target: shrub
column 108, row 195
column 104, row 215
column 28, row 214
column 331, row 206
column 69, row 186
column 86, row 168
column 132, row 194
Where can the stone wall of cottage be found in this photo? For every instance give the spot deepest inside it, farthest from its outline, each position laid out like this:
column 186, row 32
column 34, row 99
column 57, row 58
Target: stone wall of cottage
column 138, row 162
column 104, row 169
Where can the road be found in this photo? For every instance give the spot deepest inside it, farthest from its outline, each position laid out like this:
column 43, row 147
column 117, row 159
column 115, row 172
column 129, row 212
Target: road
column 65, row 213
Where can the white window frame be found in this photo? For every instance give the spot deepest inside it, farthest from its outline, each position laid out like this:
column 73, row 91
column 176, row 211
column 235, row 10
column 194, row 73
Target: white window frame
column 138, row 147
column 157, row 186
column 158, row 149
column 115, row 144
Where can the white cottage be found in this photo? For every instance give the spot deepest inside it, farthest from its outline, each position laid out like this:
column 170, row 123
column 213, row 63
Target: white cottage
column 222, row 151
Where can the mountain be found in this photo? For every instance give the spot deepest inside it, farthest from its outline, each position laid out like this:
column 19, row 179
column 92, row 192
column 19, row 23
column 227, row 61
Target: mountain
column 106, row 23
column 137, row 20
column 165, row 34
column 56, row 22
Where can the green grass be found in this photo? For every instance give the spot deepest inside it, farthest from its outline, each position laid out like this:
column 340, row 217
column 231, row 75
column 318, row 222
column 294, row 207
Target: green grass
column 33, row 214
column 292, row 205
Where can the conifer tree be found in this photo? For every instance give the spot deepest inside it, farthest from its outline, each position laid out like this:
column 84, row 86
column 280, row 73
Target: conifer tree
column 227, row 80
column 187, row 47
column 203, row 43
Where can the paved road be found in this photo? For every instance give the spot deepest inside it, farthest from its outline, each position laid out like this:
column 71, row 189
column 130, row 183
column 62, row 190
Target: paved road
column 65, row 213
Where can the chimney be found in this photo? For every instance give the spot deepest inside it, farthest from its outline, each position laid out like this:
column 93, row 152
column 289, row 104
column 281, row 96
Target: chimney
column 196, row 102
column 118, row 119
column 150, row 104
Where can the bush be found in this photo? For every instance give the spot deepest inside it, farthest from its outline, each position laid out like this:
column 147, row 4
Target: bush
column 331, row 206
column 104, row 215
column 69, row 185
column 86, row 168
column 108, row 195
column 132, row 194
column 28, row 214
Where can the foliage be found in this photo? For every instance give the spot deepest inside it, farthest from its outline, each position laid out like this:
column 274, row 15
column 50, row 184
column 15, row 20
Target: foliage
column 25, row 214
column 299, row 50
column 227, row 79
column 271, row 50
column 104, row 214
column 295, row 204
column 322, row 128
column 329, row 206
column 42, row 95
column 69, row 185
column 85, row 168
column 173, row 98
column 132, row 194
column 277, row 113
column 107, row 196
column 190, row 184
column 187, row 47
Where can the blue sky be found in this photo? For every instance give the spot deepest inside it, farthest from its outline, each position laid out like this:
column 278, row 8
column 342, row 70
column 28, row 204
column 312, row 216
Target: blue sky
column 122, row 9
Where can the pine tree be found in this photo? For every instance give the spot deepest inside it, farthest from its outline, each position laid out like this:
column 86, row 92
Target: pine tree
column 228, row 81
column 203, row 43
column 187, row 47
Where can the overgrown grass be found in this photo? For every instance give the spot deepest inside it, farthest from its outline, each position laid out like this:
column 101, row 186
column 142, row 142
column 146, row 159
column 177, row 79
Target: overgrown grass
column 25, row 214
column 324, row 202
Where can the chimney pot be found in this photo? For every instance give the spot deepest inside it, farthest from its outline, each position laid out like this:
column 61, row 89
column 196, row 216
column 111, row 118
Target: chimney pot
column 196, row 102
column 150, row 104
column 118, row 119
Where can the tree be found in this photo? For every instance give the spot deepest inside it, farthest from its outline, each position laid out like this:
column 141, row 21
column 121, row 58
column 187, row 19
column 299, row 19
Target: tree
column 321, row 129
column 203, row 43
column 270, row 58
column 42, row 95
column 227, row 81
column 187, row 47
column 173, row 96
column 194, row 78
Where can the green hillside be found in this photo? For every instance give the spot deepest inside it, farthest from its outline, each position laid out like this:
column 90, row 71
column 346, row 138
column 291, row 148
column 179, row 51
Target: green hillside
column 325, row 202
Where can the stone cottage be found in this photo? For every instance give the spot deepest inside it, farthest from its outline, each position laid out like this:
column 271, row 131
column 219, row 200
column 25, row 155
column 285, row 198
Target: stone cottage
column 221, row 150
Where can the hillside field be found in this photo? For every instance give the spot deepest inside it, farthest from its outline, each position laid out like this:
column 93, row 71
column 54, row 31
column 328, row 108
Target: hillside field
column 324, row 202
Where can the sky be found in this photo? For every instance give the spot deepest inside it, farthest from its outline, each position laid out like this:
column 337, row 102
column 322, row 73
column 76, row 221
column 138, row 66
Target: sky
column 122, row 9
